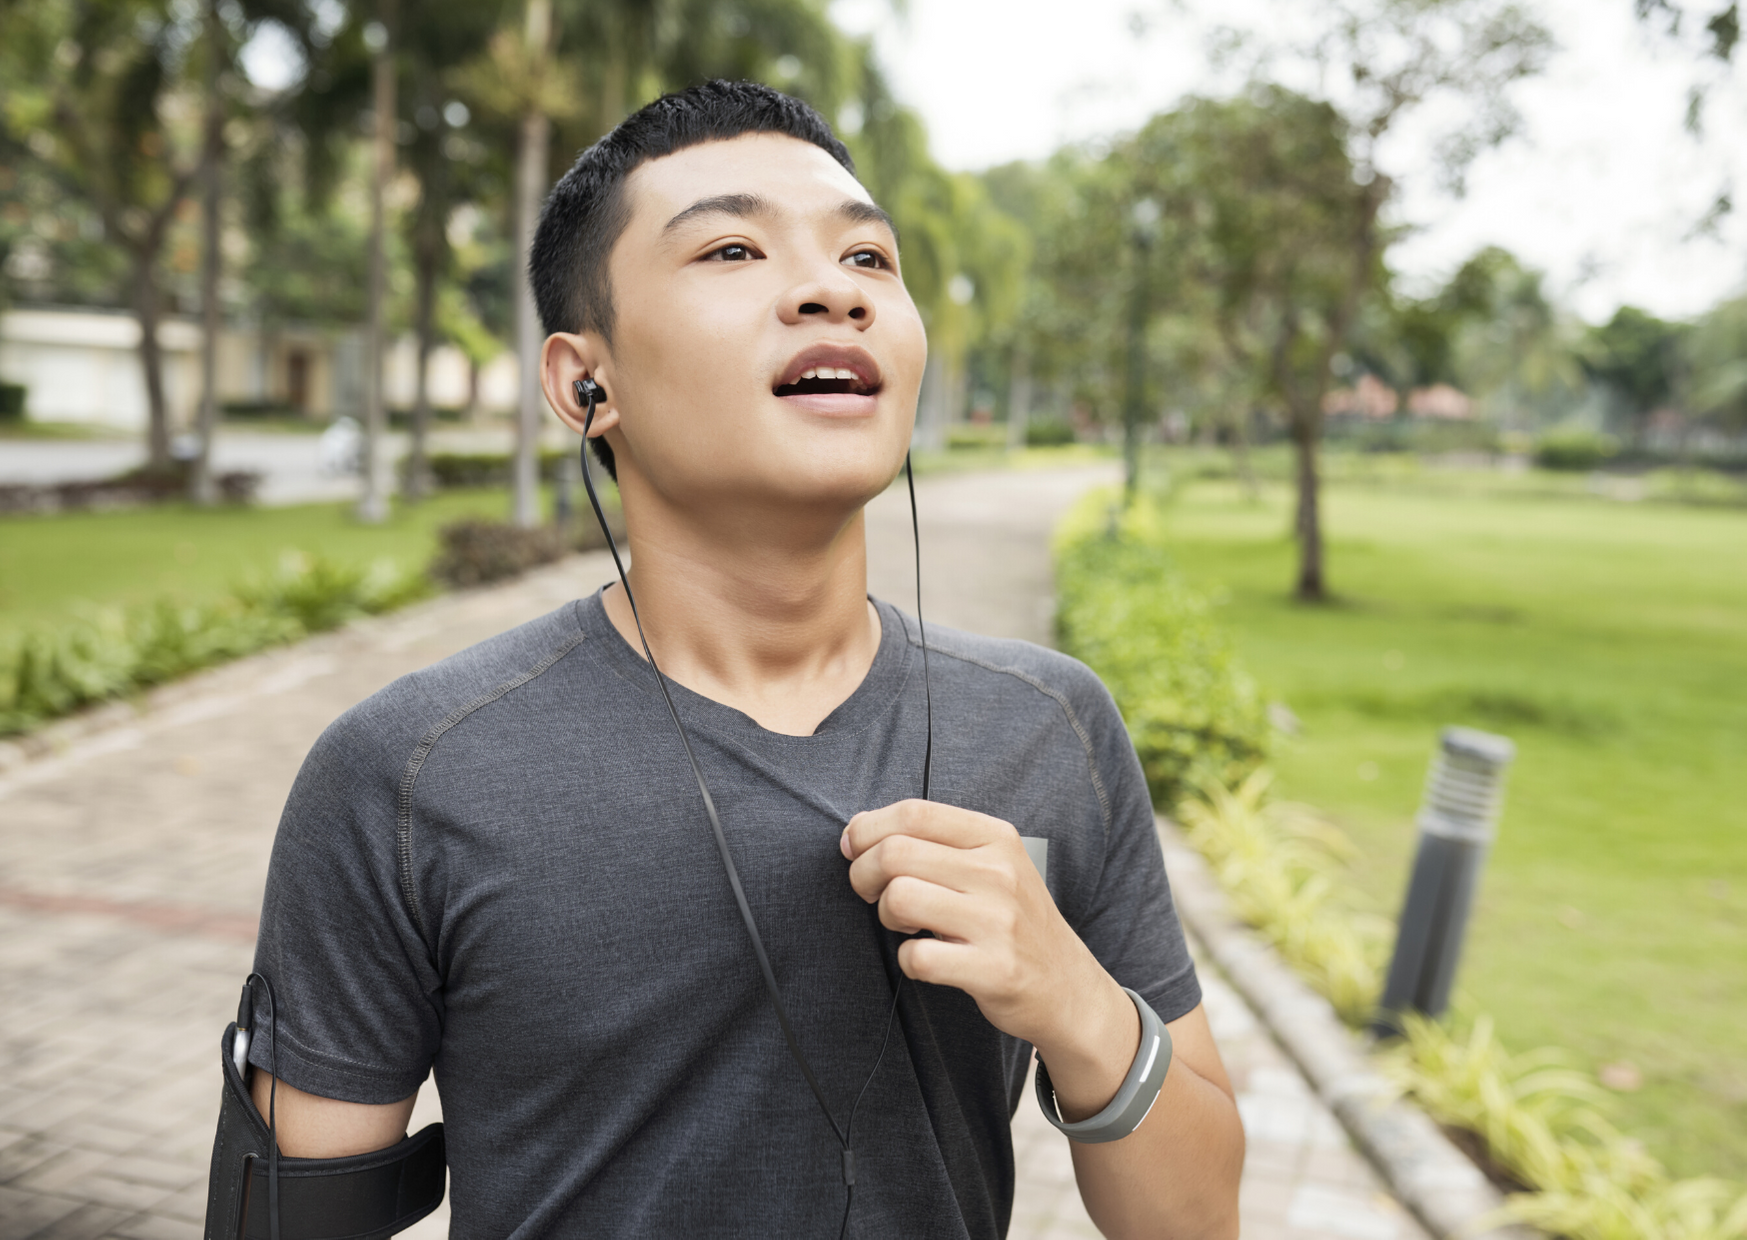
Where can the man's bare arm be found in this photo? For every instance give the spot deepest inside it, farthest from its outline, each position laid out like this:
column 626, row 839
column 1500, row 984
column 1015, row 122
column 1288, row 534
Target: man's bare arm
column 311, row 1126
column 1183, row 1162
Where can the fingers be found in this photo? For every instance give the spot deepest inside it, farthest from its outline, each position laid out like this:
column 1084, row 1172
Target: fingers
column 960, row 869
column 925, row 820
column 910, row 905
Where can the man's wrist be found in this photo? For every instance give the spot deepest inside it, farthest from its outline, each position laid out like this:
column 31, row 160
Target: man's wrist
column 1090, row 1054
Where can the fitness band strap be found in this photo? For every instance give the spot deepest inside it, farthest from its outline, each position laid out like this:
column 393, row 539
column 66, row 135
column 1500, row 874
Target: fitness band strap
column 1140, row 1088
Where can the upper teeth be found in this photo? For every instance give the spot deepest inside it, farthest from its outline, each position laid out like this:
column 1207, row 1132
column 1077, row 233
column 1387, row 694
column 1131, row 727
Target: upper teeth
column 827, row 372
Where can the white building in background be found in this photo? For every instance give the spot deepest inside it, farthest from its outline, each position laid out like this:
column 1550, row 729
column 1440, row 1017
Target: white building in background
column 81, row 365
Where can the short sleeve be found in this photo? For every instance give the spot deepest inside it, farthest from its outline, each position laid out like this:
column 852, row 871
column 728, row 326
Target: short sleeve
column 359, row 999
column 1131, row 925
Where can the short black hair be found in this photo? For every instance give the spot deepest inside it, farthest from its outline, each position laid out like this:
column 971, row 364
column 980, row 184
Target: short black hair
column 586, row 211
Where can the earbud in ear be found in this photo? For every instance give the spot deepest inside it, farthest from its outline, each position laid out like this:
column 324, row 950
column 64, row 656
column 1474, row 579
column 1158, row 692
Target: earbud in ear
column 588, row 394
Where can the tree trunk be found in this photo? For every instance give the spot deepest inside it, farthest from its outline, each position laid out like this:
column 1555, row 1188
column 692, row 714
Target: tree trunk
column 1305, row 434
column 1240, row 453
column 147, row 308
column 1134, row 386
column 202, row 489
column 418, row 466
column 373, row 503
column 536, row 132
column 1018, row 399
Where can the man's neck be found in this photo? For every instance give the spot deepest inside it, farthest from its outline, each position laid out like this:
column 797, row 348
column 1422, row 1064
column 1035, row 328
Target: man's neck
column 766, row 615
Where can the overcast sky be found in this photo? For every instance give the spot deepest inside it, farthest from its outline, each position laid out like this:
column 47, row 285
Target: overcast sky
column 1601, row 190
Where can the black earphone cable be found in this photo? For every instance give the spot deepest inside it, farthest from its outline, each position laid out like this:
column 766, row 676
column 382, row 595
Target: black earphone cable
column 272, row 1102
column 587, row 395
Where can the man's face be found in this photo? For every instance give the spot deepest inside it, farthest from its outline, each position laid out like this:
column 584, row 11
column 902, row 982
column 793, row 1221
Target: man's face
column 764, row 346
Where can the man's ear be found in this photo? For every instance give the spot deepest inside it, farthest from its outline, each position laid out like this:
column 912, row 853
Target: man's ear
column 567, row 357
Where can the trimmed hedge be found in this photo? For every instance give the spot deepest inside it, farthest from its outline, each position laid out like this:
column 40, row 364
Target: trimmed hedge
column 1575, row 451
column 49, row 672
column 485, row 469
column 1125, row 610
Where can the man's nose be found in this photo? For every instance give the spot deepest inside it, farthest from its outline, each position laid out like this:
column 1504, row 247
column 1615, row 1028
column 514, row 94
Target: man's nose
column 836, row 297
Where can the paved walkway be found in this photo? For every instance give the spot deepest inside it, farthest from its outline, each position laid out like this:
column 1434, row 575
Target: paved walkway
column 131, row 868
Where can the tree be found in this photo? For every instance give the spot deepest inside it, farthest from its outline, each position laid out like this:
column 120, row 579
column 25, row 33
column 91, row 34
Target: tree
column 1715, row 353
column 1636, row 356
column 97, row 90
column 1385, row 60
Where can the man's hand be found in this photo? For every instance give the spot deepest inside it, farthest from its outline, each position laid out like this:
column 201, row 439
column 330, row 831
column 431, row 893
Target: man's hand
column 998, row 937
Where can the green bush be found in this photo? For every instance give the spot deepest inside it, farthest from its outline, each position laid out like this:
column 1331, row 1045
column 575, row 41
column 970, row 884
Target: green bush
column 1575, row 451
column 46, row 673
column 1049, row 432
column 1125, row 610
column 485, row 469
column 12, row 402
column 474, row 551
column 969, row 435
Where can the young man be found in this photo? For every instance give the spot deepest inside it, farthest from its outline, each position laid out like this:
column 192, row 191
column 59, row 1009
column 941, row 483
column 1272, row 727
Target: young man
column 500, row 867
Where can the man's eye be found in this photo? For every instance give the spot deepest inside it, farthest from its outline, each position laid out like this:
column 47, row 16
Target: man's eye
column 870, row 260
column 733, row 253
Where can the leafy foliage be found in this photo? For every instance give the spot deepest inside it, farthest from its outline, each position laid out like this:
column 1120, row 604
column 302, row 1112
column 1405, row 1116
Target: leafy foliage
column 1125, row 610
column 1278, row 862
column 46, row 673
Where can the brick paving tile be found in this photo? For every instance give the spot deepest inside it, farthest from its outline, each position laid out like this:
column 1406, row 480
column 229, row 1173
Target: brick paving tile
column 88, row 1222
column 133, row 863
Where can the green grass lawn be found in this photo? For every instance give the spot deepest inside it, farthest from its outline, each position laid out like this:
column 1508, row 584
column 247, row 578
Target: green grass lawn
column 1609, row 640
column 53, row 566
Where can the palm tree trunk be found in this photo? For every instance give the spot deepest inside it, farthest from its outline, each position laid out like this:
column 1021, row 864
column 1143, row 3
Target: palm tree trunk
column 373, row 503
column 418, row 469
column 536, row 132
column 201, row 486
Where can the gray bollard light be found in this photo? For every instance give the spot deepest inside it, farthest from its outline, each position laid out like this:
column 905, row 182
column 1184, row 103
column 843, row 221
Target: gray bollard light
column 1456, row 824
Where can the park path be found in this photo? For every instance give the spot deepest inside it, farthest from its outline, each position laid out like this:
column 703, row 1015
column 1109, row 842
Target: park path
column 131, row 868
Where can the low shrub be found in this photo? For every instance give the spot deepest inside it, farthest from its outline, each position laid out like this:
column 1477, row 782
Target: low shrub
column 474, row 551
column 1279, row 863
column 1125, row 610
column 1049, row 432
column 969, row 435
column 12, row 402
column 1574, row 450
column 49, row 672
column 132, row 489
column 485, row 469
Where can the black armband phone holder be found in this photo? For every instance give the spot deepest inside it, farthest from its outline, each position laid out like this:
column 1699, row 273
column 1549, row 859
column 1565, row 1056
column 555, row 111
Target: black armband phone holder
column 256, row 1193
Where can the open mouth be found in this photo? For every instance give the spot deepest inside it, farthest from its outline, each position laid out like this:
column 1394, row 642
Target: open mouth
column 827, row 379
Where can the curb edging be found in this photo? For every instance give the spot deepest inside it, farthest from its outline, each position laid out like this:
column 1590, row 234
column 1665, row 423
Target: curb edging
column 1437, row 1183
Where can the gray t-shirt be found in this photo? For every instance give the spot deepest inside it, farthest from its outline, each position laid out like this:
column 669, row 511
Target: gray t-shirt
column 500, row 868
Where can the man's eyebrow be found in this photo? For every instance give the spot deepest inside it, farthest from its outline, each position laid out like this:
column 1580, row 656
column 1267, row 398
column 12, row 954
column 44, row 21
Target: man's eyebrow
column 858, row 212
column 744, row 206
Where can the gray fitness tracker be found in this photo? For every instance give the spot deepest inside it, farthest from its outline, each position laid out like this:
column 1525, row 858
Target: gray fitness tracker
column 1140, row 1088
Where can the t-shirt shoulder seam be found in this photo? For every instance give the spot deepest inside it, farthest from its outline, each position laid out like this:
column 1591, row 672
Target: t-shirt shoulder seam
column 415, row 763
column 1067, row 709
